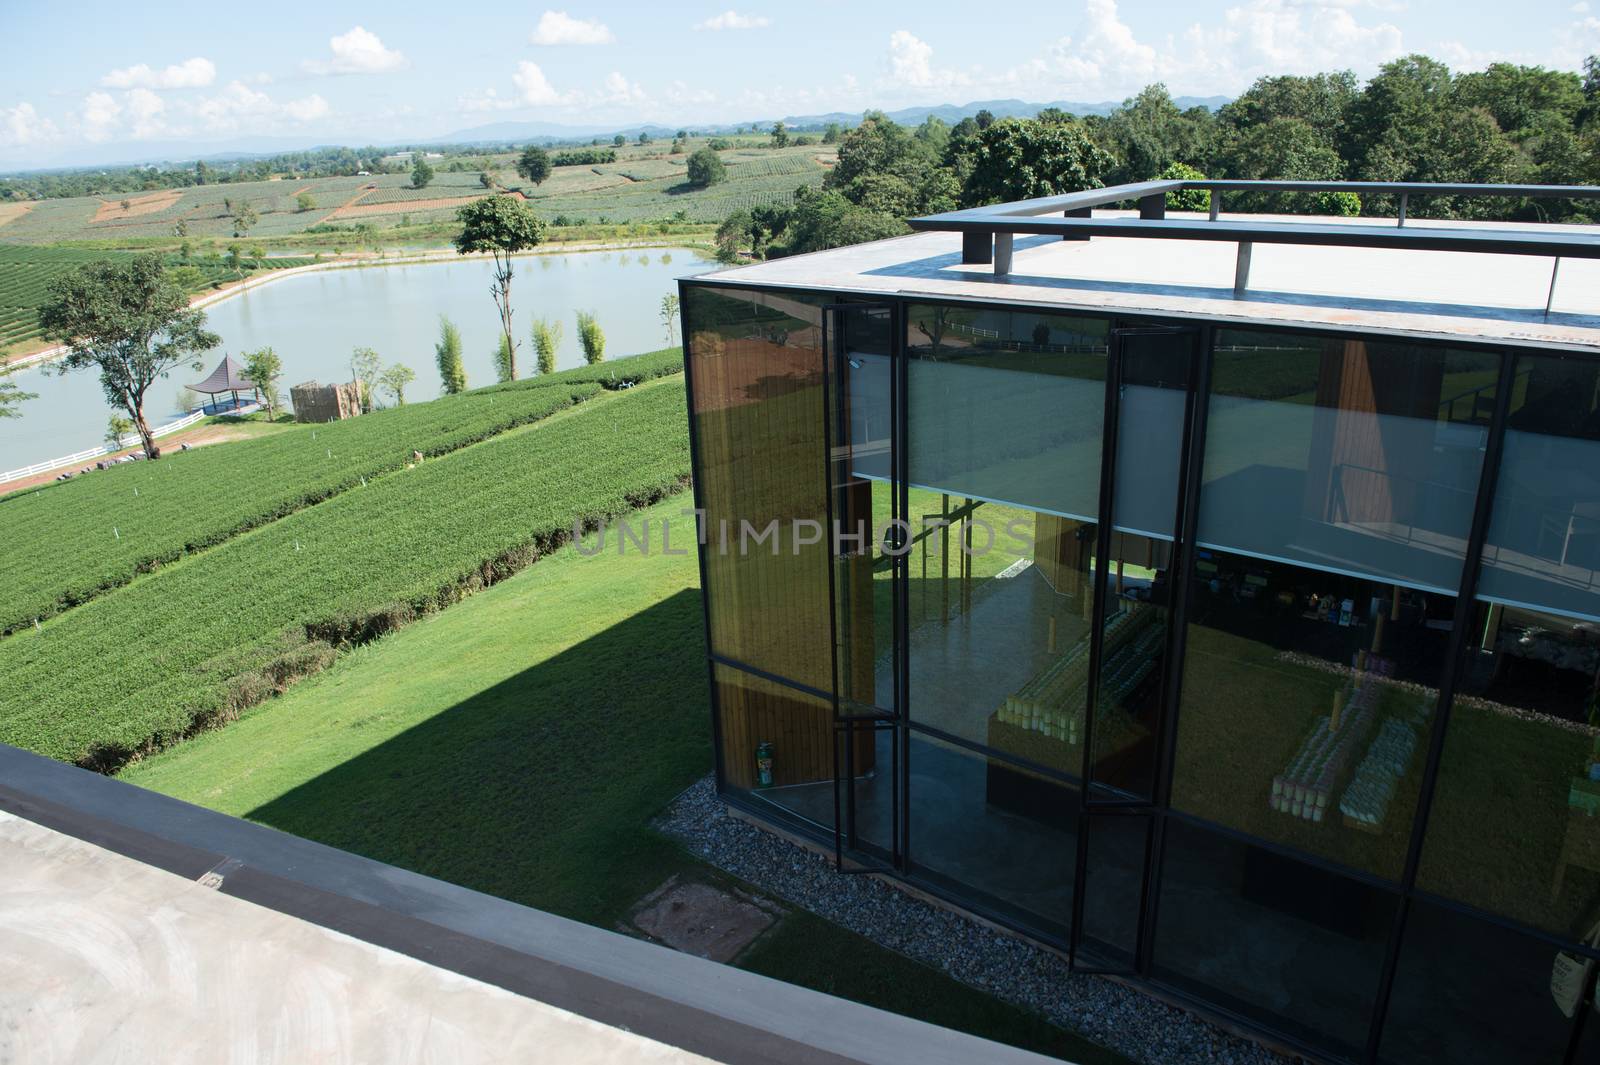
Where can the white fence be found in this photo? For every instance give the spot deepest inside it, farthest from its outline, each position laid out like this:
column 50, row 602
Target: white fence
column 131, row 440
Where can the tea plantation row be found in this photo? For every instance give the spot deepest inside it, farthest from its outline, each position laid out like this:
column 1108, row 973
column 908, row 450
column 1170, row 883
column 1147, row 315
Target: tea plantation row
column 69, row 542
column 195, row 642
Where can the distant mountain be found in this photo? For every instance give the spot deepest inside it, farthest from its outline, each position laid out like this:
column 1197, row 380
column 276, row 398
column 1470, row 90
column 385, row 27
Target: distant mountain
column 181, row 153
column 518, row 132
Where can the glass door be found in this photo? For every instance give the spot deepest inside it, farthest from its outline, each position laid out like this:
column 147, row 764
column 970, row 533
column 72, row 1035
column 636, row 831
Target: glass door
column 1149, row 412
column 866, row 578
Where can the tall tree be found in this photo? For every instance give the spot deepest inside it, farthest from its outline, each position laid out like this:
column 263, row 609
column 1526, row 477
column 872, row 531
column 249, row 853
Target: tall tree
column 780, row 135
column 421, row 172
column 705, row 168
column 502, row 226
column 264, row 369
column 591, row 338
column 365, row 366
column 127, row 319
column 534, row 164
column 452, row 372
column 669, row 316
column 1018, row 159
column 244, row 216
column 1148, row 133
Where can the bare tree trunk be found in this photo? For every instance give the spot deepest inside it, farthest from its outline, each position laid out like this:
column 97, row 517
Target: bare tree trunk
column 502, row 292
column 152, row 450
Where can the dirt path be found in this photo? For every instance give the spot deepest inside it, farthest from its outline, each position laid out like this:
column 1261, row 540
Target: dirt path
column 150, row 203
column 197, row 437
column 10, row 212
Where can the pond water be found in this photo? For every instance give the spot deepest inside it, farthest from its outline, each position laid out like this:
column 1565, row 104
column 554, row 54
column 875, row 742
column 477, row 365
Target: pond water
column 314, row 320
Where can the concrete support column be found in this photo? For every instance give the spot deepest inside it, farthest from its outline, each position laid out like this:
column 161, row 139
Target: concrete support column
column 1002, row 254
column 1241, row 269
column 976, row 248
column 1153, row 206
column 1077, row 212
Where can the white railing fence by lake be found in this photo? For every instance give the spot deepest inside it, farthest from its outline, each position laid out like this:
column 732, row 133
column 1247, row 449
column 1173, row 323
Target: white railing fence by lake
column 131, row 440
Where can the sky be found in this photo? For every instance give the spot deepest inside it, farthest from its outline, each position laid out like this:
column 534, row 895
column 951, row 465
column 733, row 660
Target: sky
column 98, row 82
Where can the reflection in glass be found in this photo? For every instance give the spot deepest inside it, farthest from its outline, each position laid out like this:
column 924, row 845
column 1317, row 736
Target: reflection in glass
column 995, row 835
column 1005, row 414
column 1338, row 486
column 1286, row 944
column 1472, row 993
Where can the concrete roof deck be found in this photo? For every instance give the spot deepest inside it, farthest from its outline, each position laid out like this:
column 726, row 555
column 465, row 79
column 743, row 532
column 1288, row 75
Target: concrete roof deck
column 1437, row 294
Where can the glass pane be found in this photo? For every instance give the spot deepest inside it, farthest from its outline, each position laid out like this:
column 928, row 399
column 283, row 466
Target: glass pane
column 861, row 464
column 867, row 791
column 1005, row 416
column 1472, row 993
column 777, row 744
column 1286, row 944
column 1338, row 487
column 994, row 836
column 1343, row 454
column 757, row 405
column 1515, row 822
column 1113, row 886
column 1151, row 411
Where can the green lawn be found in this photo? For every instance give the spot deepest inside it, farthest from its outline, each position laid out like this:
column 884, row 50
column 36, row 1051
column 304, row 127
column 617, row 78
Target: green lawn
column 519, row 743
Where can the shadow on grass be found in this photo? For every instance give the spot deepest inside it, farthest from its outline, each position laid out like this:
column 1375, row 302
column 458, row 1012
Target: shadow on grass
column 538, row 789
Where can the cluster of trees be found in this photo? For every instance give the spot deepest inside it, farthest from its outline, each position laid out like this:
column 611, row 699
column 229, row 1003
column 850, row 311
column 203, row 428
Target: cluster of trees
column 321, row 162
column 1415, row 120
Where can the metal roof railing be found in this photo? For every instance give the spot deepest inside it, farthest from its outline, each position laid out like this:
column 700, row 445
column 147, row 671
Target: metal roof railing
column 987, row 232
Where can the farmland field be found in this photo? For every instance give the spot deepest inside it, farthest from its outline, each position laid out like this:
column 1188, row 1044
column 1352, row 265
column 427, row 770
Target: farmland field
column 26, row 273
column 194, row 642
column 62, row 549
column 645, row 184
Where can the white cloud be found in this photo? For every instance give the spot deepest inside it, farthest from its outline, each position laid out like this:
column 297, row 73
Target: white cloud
column 910, row 59
column 144, row 112
column 21, row 125
column 194, row 73
column 533, row 87
column 558, row 27
column 99, row 112
column 619, row 90
column 358, row 52
column 307, row 108
column 732, row 20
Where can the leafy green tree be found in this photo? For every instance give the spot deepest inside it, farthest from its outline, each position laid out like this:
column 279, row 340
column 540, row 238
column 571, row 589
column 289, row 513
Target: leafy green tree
column 447, row 353
column 117, row 427
column 505, row 360
column 534, row 164
column 878, row 146
column 1322, row 101
column 733, row 235
column 1522, row 99
column 546, row 343
column 236, row 259
column 1148, row 133
column 305, row 202
column 1284, row 149
column 1185, row 199
column 888, row 194
column 618, row 141
column 395, row 379
column 127, row 319
column 824, row 218
column 831, row 133
column 502, row 226
column 780, row 135
column 591, row 338
column 244, row 217
column 705, row 169
column 486, row 180
column 365, row 367
column 258, row 257
column 1019, row 159
column 644, row 138
column 264, row 369
column 421, row 173
column 12, row 396
column 669, row 316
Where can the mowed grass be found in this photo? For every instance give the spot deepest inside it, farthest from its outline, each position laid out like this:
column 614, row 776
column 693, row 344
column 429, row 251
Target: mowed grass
column 196, row 642
column 520, row 742
column 69, row 542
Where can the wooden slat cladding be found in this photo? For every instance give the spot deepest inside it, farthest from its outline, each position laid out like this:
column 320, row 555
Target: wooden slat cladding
column 757, row 406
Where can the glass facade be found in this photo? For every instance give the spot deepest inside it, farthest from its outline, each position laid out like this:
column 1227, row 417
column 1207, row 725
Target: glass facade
column 1259, row 665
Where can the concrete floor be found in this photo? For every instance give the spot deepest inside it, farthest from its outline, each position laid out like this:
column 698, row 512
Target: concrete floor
column 105, row 959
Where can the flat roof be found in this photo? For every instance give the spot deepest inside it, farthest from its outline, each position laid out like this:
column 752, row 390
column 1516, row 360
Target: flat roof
column 1425, row 293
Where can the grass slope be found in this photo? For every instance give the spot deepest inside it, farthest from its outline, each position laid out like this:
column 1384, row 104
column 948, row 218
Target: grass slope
column 62, row 549
column 519, row 743
column 196, row 642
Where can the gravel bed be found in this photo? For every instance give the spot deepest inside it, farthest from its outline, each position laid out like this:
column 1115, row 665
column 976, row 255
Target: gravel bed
column 1106, row 1012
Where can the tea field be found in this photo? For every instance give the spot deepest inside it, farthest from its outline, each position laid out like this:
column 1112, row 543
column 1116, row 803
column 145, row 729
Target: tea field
column 195, row 642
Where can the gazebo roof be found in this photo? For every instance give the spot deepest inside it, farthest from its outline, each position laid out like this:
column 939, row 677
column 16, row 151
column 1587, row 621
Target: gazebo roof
column 227, row 377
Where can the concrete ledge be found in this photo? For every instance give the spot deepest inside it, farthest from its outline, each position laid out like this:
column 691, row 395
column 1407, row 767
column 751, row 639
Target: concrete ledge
column 683, row 1001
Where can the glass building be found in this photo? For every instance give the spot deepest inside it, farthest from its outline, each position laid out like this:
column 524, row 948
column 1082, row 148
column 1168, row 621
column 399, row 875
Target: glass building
column 1234, row 629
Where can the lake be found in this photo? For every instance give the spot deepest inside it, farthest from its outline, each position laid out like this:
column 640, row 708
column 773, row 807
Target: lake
column 314, row 320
